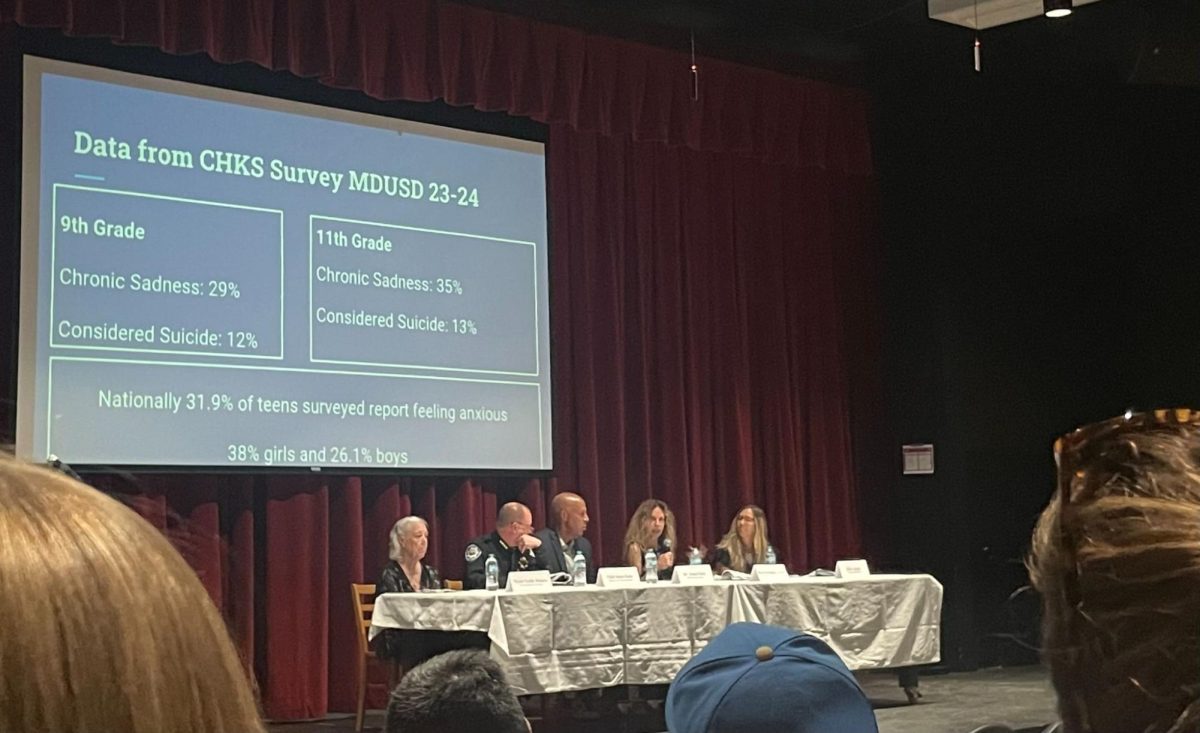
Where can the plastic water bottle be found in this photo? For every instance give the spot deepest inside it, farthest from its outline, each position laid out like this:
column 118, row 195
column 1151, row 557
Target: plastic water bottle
column 771, row 559
column 650, row 565
column 580, row 568
column 694, row 557
column 491, row 570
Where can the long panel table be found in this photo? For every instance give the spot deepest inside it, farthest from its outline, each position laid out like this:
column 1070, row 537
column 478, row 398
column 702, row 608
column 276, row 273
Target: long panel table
column 581, row 638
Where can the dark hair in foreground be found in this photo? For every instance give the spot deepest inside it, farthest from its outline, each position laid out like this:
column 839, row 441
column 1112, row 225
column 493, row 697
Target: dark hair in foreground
column 1118, row 566
column 462, row 691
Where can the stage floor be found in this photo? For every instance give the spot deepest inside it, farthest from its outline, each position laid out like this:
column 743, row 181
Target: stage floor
column 1020, row 697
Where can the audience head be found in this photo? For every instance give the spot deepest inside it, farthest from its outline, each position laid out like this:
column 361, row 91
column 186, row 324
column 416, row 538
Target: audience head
column 652, row 521
column 754, row 678
column 461, row 691
column 1116, row 557
column 513, row 521
column 409, row 539
column 569, row 514
column 104, row 626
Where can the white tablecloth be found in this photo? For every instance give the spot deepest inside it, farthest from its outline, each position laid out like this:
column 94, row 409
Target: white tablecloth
column 581, row 638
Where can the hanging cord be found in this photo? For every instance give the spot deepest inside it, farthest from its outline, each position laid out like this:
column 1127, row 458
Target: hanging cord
column 978, row 60
column 695, row 71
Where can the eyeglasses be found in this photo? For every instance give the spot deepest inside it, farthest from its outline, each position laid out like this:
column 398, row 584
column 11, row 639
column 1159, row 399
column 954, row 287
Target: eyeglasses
column 1092, row 447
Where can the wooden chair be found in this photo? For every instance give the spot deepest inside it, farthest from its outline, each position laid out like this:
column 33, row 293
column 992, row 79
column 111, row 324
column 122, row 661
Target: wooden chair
column 362, row 620
column 364, row 603
column 363, row 597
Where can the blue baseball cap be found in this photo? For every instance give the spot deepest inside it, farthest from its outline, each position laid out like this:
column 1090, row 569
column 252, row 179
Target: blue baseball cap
column 753, row 678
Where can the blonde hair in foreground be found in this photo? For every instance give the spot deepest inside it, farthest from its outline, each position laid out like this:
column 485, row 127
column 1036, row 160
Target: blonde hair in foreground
column 103, row 626
column 1119, row 572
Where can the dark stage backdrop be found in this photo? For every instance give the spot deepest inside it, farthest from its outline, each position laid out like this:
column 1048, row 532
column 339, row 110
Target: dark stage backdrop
column 712, row 308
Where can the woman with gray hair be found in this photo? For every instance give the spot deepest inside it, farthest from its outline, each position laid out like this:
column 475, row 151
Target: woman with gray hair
column 405, row 572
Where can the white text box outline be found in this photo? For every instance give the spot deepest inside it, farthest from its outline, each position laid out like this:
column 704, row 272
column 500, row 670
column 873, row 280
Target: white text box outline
column 116, row 192
column 253, row 368
column 537, row 356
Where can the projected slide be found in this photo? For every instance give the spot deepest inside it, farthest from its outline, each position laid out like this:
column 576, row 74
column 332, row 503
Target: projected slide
column 219, row 279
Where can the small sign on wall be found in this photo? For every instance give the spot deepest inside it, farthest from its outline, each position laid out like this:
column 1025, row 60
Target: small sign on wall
column 918, row 458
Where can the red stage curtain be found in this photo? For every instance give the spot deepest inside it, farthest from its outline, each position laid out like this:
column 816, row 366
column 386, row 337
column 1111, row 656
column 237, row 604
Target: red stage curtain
column 708, row 297
column 421, row 50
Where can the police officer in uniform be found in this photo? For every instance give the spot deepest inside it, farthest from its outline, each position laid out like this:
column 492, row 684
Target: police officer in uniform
column 512, row 543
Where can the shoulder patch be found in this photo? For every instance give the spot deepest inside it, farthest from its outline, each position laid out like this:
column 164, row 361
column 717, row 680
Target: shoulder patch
column 473, row 552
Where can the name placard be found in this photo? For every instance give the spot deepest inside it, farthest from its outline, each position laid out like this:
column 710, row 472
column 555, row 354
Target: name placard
column 769, row 573
column 626, row 577
column 529, row 581
column 692, row 575
column 851, row 569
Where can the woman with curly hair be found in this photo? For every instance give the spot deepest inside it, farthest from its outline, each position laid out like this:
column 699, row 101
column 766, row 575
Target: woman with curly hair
column 651, row 527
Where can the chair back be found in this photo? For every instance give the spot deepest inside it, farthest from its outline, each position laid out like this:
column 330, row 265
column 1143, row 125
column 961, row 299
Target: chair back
column 364, row 605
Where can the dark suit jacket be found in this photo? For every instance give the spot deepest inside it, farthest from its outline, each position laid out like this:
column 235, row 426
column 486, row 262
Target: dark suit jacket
column 551, row 553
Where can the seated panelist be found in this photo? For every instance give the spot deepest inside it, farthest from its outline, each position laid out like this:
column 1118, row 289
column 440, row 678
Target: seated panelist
column 564, row 537
column 512, row 542
column 405, row 572
column 745, row 544
column 652, row 526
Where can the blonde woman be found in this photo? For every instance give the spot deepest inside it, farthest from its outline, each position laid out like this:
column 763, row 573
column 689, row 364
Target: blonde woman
column 652, row 527
column 104, row 626
column 745, row 544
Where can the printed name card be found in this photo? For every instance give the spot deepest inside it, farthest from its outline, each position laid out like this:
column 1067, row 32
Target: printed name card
column 529, row 581
column 626, row 577
column 852, row 569
column 769, row 573
column 692, row 575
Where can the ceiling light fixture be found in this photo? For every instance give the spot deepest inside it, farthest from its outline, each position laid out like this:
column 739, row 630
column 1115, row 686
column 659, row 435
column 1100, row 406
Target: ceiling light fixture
column 1057, row 8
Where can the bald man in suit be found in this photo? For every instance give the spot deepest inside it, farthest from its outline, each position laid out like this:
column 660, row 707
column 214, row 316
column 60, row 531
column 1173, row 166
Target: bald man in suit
column 564, row 537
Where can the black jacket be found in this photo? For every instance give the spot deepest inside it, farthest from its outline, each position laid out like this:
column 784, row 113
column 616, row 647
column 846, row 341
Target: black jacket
column 509, row 558
column 392, row 579
column 388, row 644
column 553, row 559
